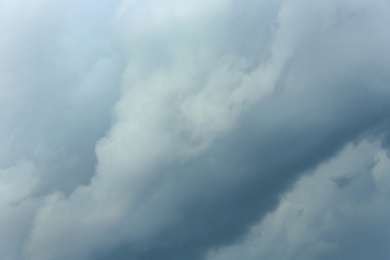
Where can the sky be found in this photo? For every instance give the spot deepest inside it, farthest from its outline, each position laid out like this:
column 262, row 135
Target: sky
column 197, row 130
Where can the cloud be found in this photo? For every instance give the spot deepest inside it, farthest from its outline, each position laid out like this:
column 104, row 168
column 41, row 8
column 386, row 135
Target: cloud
column 318, row 220
column 167, row 130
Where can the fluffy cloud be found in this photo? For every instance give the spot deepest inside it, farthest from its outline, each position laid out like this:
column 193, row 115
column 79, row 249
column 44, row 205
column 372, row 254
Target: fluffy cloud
column 166, row 130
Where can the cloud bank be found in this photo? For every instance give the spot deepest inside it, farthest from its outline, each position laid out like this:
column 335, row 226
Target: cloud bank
column 199, row 130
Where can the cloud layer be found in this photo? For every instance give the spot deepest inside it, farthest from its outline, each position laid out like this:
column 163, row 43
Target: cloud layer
column 197, row 130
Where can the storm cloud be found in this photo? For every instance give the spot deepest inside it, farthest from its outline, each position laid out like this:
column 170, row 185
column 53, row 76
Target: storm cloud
column 213, row 130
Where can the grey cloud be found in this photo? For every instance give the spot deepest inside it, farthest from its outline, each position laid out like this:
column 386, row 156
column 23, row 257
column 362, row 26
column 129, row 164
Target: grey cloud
column 52, row 112
column 247, row 170
column 201, row 115
column 344, row 181
column 316, row 220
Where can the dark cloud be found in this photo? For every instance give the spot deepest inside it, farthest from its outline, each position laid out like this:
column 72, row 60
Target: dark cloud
column 246, row 170
column 316, row 220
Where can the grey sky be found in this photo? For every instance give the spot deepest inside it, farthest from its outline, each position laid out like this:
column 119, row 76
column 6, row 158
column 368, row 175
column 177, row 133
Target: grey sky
column 205, row 129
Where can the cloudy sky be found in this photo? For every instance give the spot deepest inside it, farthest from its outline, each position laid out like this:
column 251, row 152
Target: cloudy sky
column 196, row 130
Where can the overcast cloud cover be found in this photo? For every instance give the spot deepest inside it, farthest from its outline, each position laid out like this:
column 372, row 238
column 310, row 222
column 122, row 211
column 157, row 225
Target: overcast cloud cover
column 207, row 129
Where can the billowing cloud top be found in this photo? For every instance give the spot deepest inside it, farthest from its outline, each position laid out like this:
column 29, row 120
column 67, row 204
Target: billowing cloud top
column 167, row 130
